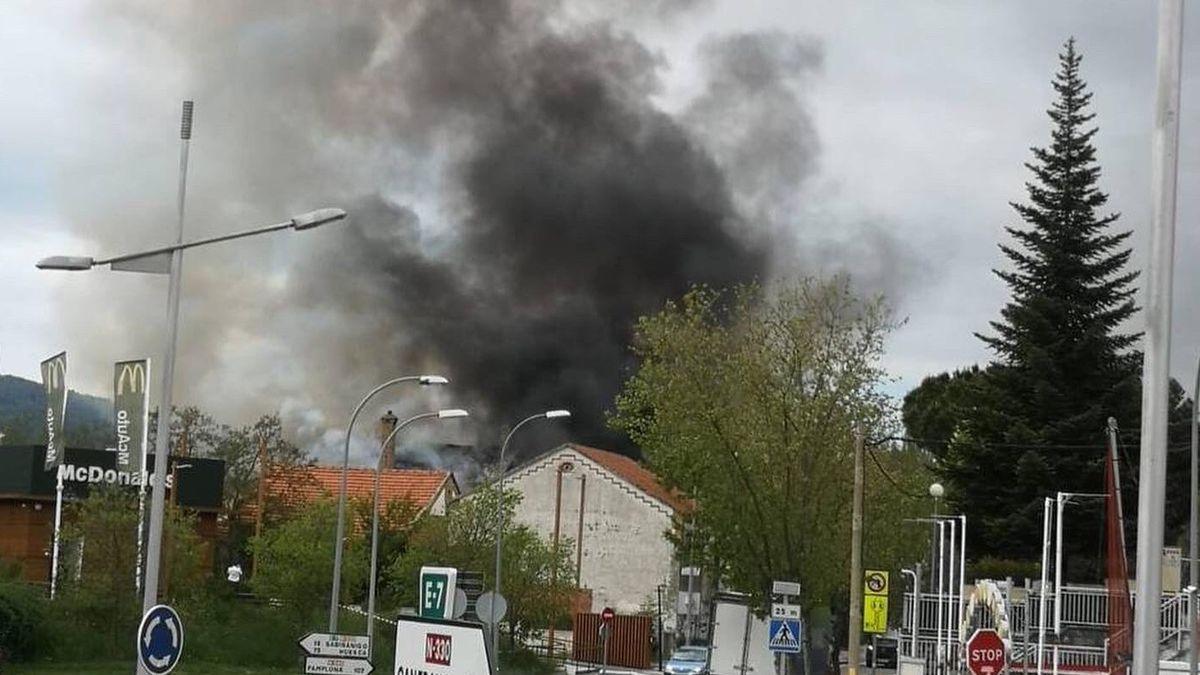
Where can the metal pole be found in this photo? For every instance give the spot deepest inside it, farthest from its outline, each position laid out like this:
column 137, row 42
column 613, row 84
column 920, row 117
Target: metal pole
column 874, row 653
column 916, row 608
column 659, row 589
column 162, row 439
column 1157, row 344
column 58, row 496
column 1042, row 590
column 1059, row 501
column 340, row 534
column 375, row 528
column 492, row 624
column 951, row 645
column 941, row 589
column 963, row 572
column 856, row 575
column 1193, row 534
column 691, row 586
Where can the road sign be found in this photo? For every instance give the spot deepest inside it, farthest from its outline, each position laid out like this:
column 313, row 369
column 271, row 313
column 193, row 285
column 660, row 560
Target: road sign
column 875, row 582
column 437, row 592
column 440, row 647
column 875, row 601
column 780, row 610
column 784, row 636
column 986, row 654
column 484, row 606
column 785, row 588
column 341, row 646
column 160, row 640
column 607, row 615
column 329, row 665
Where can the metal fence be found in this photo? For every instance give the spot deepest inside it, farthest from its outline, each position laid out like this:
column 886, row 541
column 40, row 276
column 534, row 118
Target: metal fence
column 1079, row 646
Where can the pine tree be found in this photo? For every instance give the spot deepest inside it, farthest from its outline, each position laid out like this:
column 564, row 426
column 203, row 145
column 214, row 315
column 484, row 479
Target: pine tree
column 1062, row 361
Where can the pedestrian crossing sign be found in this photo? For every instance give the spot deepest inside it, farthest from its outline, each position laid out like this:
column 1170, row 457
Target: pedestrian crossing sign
column 785, row 636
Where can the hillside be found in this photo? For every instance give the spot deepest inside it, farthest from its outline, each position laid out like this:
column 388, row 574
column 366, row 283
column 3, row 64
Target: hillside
column 22, row 420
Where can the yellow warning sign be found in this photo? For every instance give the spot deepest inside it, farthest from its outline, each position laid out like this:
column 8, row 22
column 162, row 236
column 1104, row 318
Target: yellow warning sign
column 875, row 582
column 875, row 612
column 875, row 601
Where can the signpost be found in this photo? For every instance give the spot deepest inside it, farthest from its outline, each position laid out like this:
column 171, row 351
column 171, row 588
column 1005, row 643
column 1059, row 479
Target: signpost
column 438, row 586
column 784, row 636
column 334, row 654
column 986, row 654
column 160, row 640
column 875, row 601
column 341, row 646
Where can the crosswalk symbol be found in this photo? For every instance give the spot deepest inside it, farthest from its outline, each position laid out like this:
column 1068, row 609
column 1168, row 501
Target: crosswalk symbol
column 785, row 635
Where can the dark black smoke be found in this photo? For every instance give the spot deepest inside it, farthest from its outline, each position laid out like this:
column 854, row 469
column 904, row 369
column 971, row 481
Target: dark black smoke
column 583, row 207
column 520, row 193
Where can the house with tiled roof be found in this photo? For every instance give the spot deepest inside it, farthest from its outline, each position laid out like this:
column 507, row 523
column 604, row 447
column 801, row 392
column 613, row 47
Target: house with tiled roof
column 614, row 511
column 428, row 490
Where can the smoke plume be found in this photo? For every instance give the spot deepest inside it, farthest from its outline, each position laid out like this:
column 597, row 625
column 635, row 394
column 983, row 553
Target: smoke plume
column 519, row 194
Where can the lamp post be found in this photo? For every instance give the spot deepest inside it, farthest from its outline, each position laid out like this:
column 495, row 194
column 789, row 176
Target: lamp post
column 339, row 540
column 916, row 612
column 450, row 413
column 169, row 260
column 549, row 415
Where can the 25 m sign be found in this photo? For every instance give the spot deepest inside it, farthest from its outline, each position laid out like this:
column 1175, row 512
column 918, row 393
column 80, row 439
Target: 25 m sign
column 437, row 649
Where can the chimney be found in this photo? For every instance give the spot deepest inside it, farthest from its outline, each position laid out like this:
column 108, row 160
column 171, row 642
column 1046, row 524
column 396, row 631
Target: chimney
column 387, row 424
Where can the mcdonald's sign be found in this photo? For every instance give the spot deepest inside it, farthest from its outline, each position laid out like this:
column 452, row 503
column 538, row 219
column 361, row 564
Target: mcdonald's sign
column 54, row 379
column 131, row 412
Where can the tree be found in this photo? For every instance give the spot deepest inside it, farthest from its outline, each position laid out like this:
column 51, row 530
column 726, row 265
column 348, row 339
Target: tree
column 99, row 559
column 1034, row 420
column 293, row 561
column 538, row 580
column 747, row 404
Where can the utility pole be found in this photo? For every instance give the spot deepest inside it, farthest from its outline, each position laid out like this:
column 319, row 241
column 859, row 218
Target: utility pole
column 856, row 580
column 1157, row 344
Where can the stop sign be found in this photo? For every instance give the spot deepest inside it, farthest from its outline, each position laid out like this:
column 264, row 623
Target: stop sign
column 607, row 615
column 986, row 653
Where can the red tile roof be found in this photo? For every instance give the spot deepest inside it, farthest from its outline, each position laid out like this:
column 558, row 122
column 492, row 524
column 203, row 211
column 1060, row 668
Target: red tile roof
column 636, row 474
column 306, row 484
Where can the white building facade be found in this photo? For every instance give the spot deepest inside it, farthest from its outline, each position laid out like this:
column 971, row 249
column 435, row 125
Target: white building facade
column 615, row 514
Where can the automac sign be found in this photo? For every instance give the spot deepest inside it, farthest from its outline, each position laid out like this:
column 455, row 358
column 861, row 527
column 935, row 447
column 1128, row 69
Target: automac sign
column 427, row 646
column 99, row 474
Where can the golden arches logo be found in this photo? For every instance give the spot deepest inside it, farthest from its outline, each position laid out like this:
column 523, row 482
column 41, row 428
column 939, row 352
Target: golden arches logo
column 132, row 374
column 54, row 371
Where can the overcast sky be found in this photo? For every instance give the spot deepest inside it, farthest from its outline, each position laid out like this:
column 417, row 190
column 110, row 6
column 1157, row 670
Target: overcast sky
column 923, row 114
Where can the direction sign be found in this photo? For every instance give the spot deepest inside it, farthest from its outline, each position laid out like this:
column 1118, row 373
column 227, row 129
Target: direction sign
column 341, row 646
column 784, row 636
column 437, row 592
column 160, row 640
column 986, row 654
column 330, row 665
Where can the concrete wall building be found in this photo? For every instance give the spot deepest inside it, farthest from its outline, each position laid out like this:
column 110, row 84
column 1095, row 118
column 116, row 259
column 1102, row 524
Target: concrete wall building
column 615, row 514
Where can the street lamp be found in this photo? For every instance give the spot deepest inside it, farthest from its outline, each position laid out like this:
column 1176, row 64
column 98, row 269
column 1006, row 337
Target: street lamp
column 169, row 260
column 340, row 537
column 549, row 415
column 449, row 413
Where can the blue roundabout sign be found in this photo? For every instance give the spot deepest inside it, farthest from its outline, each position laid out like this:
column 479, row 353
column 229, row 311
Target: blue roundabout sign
column 160, row 640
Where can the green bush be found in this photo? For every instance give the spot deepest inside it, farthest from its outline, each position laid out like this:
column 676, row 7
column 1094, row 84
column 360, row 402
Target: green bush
column 22, row 621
